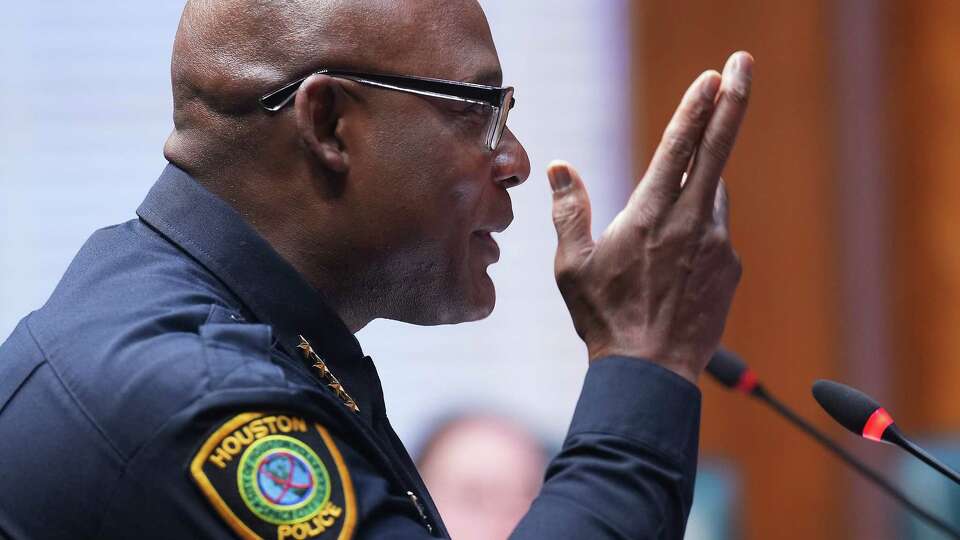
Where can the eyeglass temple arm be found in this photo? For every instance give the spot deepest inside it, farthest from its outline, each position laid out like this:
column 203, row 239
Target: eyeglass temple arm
column 278, row 99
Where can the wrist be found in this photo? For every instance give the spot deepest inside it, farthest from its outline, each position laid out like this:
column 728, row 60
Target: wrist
column 666, row 361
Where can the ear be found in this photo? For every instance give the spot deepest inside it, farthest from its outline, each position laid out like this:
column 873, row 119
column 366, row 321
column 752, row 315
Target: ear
column 318, row 106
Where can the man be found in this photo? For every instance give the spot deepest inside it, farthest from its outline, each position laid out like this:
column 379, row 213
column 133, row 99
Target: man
column 195, row 373
column 483, row 472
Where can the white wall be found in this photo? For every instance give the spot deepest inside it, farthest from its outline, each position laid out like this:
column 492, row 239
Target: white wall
column 86, row 109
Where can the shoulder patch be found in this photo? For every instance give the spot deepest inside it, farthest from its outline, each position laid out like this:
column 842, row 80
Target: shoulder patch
column 277, row 476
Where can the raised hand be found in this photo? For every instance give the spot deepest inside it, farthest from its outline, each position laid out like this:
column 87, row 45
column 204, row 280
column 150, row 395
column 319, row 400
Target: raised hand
column 658, row 284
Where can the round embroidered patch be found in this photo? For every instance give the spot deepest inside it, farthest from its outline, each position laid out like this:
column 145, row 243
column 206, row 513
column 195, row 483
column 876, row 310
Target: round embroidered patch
column 282, row 481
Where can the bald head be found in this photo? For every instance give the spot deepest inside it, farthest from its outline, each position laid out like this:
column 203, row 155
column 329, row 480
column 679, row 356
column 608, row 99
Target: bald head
column 228, row 53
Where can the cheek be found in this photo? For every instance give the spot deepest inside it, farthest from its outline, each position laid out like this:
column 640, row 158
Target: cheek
column 441, row 194
column 425, row 142
column 420, row 175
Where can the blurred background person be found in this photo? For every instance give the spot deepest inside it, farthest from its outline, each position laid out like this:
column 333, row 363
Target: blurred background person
column 483, row 472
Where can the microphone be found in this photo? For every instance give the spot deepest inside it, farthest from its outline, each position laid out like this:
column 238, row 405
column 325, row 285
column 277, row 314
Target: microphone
column 732, row 372
column 862, row 415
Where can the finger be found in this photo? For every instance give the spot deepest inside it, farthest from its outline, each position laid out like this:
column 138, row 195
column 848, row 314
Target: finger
column 571, row 214
column 720, row 136
column 660, row 186
column 721, row 206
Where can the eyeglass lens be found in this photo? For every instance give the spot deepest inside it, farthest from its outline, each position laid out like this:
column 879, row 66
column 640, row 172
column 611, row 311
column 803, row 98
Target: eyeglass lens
column 499, row 120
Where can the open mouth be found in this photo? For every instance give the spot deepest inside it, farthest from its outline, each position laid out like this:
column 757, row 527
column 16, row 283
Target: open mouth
column 485, row 241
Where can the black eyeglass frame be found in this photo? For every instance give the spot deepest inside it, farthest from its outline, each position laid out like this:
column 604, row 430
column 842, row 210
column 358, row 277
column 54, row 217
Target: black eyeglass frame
column 500, row 99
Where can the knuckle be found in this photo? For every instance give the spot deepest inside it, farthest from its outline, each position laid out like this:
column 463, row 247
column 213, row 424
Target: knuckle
column 681, row 232
column 643, row 222
column 646, row 230
column 567, row 211
column 698, row 112
column 687, row 224
column 719, row 237
column 739, row 95
column 678, row 145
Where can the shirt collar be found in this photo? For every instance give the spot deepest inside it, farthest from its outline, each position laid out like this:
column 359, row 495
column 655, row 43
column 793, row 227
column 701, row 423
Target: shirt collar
column 215, row 234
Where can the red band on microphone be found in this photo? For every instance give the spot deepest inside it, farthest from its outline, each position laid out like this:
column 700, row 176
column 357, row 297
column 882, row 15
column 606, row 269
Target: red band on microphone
column 878, row 422
column 747, row 382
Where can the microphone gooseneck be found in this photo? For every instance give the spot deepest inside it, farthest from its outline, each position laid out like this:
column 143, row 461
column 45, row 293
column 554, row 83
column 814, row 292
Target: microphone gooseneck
column 862, row 415
column 732, row 372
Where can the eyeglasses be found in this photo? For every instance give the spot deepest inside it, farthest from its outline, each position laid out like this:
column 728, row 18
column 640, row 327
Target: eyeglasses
column 499, row 99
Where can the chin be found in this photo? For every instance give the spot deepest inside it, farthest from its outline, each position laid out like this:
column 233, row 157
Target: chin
column 456, row 297
column 460, row 304
column 480, row 300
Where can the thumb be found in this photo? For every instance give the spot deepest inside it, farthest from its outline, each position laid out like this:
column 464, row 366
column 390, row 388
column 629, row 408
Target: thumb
column 571, row 214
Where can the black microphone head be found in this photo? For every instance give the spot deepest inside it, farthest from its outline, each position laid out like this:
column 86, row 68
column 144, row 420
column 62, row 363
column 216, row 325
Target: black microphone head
column 731, row 371
column 852, row 409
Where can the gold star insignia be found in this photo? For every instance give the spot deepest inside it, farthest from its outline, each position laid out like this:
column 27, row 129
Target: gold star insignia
column 327, row 375
column 305, row 347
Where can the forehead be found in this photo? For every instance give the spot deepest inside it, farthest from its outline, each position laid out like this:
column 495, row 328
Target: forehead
column 447, row 39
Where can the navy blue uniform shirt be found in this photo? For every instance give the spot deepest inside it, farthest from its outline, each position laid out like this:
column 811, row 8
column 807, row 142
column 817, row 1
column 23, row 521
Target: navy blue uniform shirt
column 164, row 391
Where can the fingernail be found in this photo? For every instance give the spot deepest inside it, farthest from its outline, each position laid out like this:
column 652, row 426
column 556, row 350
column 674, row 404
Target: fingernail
column 741, row 63
column 560, row 178
column 733, row 64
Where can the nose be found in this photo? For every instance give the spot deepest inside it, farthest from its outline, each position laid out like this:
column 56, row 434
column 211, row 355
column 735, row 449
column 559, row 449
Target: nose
column 511, row 166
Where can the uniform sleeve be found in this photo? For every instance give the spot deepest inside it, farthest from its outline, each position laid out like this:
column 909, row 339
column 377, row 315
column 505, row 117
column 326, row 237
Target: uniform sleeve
column 242, row 465
column 241, row 468
column 627, row 467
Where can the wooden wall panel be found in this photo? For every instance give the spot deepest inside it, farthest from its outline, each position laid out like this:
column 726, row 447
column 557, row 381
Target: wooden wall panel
column 785, row 318
column 925, row 97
